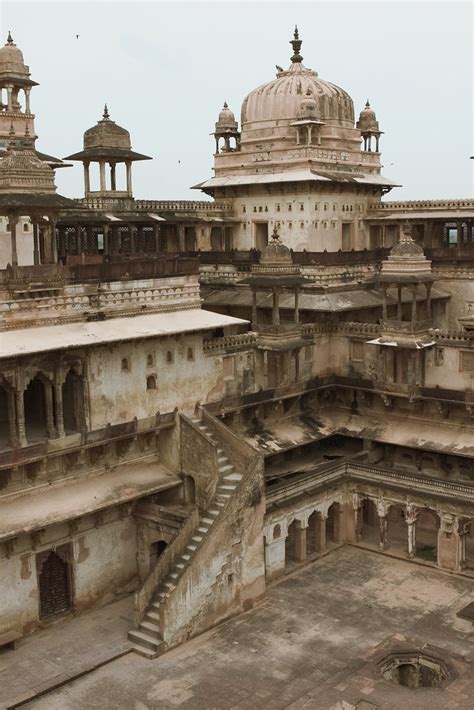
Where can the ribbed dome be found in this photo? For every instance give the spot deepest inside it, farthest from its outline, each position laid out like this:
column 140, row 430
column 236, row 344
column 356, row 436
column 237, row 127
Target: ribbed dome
column 107, row 134
column 280, row 99
column 11, row 60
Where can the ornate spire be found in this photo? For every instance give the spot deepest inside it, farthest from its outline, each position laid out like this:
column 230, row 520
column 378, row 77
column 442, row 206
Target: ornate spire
column 10, row 40
column 12, row 136
column 106, row 115
column 225, row 104
column 367, row 104
column 296, row 43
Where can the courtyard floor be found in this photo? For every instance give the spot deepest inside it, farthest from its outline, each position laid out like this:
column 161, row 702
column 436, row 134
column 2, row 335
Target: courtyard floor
column 314, row 642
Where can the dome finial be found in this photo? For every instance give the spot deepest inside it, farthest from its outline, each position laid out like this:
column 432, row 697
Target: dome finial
column 296, row 43
column 367, row 104
column 10, row 40
column 226, row 105
column 106, row 115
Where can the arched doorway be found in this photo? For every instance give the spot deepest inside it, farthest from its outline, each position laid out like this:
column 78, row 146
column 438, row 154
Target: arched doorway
column 295, row 547
column 469, row 546
column 397, row 532
column 427, row 526
column 36, row 427
column 189, row 490
column 370, row 529
column 156, row 550
column 73, row 402
column 54, row 581
column 333, row 525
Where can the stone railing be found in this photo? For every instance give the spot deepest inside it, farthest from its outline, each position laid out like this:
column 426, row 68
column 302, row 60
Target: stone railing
column 338, row 258
column 125, row 204
column 104, row 435
column 413, row 205
column 452, row 337
column 164, row 565
column 351, row 470
column 349, row 328
column 150, row 267
column 229, row 342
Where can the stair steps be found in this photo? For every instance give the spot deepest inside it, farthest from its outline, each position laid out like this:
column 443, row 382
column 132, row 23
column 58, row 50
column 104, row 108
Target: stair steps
column 146, row 639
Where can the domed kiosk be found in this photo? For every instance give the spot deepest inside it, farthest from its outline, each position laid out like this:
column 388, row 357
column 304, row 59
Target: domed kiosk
column 107, row 143
column 298, row 141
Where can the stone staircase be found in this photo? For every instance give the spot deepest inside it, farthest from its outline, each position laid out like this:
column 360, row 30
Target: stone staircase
column 146, row 639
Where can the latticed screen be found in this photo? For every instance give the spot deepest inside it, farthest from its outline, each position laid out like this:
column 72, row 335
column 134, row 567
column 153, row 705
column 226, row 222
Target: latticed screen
column 228, row 366
column 466, row 361
column 357, row 350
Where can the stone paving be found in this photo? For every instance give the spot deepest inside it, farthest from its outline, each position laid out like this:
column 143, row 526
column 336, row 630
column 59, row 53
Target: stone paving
column 312, row 643
column 64, row 650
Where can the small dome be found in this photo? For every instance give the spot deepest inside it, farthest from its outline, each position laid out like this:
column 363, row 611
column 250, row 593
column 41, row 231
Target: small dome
column 308, row 106
column 226, row 120
column 407, row 247
column 107, row 134
column 11, row 59
column 276, row 251
column 367, row 119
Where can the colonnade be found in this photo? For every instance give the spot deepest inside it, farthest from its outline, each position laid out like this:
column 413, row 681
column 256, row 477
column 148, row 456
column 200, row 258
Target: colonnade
column 42, row 405
column 291, row 536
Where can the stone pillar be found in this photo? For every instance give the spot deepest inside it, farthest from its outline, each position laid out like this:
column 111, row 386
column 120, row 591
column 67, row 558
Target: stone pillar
column 102, row 175
column 428, row 301
column 384, row 303
column 254, row 308
column 13, row 221
column 413, row 306
column 128, row 166
column 450, row 544
column 411, row 514
column 320, row 532
column 27, row 100
column 382, row 511
column 276, row 307
column 297, row 310
column 181, row 237
column 113, row 181
column 36, row 252
column 156, row 232
column 58, row 399
column 399, row 303
column 354, row 519
column 10, row 97
column 20, row 417
column 87, row 180
column 106, row 239
column 300, row 543
column 48, row 394
column 12, row 432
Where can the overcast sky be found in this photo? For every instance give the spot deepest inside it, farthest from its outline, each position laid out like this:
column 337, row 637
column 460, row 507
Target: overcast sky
column 165, row 69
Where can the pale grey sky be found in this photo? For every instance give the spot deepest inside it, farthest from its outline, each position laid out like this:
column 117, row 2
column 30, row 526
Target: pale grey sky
column 165, row 69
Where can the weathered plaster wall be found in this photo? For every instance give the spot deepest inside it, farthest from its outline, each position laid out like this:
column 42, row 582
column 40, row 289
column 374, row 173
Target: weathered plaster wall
column 443, row 370
column 24, row 243
column 307, row 220
column 115, row 393
column 105, row 563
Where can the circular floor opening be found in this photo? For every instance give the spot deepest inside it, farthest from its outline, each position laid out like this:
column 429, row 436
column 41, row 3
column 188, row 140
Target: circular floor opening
column 414, row 670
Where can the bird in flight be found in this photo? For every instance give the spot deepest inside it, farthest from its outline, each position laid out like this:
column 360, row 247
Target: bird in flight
column 77, row 36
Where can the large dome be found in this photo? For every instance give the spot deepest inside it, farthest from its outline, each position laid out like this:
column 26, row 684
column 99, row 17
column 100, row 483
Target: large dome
column 281, row 98
column 11, row 60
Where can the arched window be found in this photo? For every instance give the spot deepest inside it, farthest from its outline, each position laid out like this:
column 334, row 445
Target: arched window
column 151, row 382
column 190, row 354
column 169, row 356
column 125, row 364
column 150, row 361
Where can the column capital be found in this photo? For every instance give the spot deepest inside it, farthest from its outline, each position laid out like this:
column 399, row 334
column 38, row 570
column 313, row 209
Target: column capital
column 411, row 514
